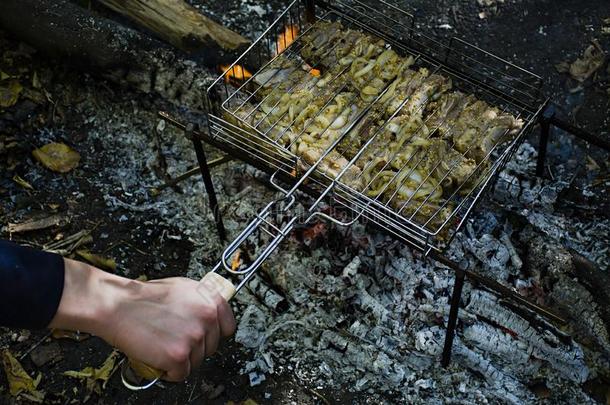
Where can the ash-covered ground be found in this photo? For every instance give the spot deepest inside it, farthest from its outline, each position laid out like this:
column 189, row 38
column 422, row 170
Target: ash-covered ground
column 362, row 316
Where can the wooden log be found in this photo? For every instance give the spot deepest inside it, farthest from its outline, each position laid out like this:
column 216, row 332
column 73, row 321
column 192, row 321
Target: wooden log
column 82, row 38
column 178, row 23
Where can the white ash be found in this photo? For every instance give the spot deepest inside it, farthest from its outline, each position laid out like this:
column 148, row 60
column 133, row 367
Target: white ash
column 568, row 360
column 579, row 304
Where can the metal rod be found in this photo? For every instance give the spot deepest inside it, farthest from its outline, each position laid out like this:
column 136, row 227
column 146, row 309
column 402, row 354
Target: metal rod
column 580, row 133
column 310, row 11
column 207, row 181
column 500, row 289
column 453, row 316
column 192, row 172
column 542, row 145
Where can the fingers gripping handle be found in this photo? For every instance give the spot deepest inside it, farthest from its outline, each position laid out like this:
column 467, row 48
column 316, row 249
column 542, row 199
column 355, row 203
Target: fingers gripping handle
column 213, row 282
column 217, row 283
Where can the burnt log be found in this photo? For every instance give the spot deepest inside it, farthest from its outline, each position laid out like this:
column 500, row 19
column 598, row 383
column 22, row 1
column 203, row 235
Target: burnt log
column 178, row 23
column 595, row 281
column 82, row 38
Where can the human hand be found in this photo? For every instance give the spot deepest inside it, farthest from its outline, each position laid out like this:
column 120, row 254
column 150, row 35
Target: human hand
column 169, row 324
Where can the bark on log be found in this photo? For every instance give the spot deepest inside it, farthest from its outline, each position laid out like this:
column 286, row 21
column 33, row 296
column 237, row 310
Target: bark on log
column 178, row 23
column 64, row 30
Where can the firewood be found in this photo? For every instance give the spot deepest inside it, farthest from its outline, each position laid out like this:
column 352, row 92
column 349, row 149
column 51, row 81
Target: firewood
column 83, row 39
column 178, row 23
column 37, row 224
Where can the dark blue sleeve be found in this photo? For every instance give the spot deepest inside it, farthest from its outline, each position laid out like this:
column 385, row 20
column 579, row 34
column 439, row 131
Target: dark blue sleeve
column 31, row 285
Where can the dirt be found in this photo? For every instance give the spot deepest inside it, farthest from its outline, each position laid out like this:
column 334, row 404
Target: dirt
column 535, row 34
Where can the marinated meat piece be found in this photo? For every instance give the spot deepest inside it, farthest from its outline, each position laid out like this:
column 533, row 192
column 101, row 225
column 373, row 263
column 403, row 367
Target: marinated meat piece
column 431, row 88
column 448, row 167
column 402, row 88
column 319, row 39
column 443, row 112
column 480, row 127
column 332, row 165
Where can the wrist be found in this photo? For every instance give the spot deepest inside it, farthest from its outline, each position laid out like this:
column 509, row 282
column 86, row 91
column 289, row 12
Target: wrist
column 90, row 298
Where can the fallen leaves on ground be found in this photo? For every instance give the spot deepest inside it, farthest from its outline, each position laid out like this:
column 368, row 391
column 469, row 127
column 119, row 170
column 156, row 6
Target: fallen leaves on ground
column 58, row 157
column 20, row 383
column 97, row 260
column 489, row 3
column 22, row 182
column 36, row 224
column 9, row 92
column 93, row 376
column 591, row 164
column 246, row 402
column 68, row 334
column 606, row 26
column 583, row 68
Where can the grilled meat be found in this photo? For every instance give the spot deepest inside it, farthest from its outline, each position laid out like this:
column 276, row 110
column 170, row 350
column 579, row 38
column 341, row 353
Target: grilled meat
column 443, row 112
column 479, row 128
column 425, row 143
column 332, row 165
column 448, row 166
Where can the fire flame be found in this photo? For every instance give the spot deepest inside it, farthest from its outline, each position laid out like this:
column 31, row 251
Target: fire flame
column 236, row 262
column 238, row 73
column 287, row 37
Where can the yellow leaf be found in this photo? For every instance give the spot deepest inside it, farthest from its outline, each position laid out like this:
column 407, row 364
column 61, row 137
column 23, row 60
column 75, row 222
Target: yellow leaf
column 94, row 375
column 35, row 80
column 4, row 75
column 19, row 180
column 57, row 157
column 97, row 260
column 9, row 93
column 18, row 380
column 67, row 334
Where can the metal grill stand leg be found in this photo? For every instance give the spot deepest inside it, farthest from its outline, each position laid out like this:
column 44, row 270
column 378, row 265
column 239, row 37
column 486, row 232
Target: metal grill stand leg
column 310, row 11
column 207, row 180
column 453, row 316
column 544, row 140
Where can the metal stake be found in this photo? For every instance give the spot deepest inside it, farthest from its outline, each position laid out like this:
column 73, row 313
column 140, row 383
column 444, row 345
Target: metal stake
column 207, row 180
column 456, row 296
column 545, row 129
column 310, row 11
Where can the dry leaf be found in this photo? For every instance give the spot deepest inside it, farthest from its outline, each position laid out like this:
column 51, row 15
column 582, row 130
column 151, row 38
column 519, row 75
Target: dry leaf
column 57, row 157
column 9, row 93
column 591, row 164
column 593, row 58
column 562, row 67
column 19, row 180
column 4, row 75
column 36, row 224
column 94, row 375
column 68, row 334
column 97, row 260
column 19, row 381
column 35, row 81
column 248, row 401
